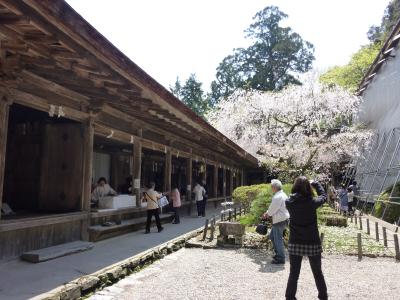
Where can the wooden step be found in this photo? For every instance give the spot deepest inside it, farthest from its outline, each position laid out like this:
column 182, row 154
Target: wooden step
column 53, row 252
column 99, row 232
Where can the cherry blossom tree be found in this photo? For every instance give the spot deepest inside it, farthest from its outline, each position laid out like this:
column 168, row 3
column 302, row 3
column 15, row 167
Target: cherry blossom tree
column 307, row 128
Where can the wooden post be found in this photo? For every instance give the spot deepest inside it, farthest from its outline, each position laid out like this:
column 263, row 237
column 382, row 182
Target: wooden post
column 167, row 170
column 384, row 236
column 377, row 231
column 4, row 113
column 137, row 169
column 224, row 182
column 189, row 166
column 87, row 164
column 205, row 230
column 234, row 213
column 396, row 246
column 355, row 220
column 212, row 229
column 215, row 183
column 351, row 219
column 240, row 210
column 322, row 237
column 359, row 243
column 230, row 215
column 368, row 229
column 231, row 183
column 361, row 226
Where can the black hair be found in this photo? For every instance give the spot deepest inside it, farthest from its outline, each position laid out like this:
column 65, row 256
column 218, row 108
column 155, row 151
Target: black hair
column 102, row 179
column 302, row 186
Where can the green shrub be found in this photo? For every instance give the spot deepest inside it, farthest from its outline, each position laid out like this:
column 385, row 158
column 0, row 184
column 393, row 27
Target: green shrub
column 261, row 203
column 392, row 212
column 244, row 195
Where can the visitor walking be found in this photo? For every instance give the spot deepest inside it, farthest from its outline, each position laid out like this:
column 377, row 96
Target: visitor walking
column 151, row 196
column 175, row 196
column 304, row 237
column 199, row 193
column 350, row 198
column 280, row 215
column 343, row 198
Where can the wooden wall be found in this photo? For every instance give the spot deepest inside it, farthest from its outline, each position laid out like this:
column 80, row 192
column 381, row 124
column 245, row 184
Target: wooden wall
column 15, row 242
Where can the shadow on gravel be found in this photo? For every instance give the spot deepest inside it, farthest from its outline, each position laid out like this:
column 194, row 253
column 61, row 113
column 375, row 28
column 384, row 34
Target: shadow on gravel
column 263, row 259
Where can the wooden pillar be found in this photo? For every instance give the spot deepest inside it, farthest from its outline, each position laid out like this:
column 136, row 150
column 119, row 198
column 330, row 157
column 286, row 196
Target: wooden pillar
column 189, row 166
column 204, row 174
column 230, row 182
column 215, row 183
column 167, row 171
column 224, row 182
column 87, row 164
column 242, row 181
column 4, row 112
column 137, row 169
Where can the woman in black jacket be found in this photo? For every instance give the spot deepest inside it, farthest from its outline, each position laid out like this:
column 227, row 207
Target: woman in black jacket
column 304, row 236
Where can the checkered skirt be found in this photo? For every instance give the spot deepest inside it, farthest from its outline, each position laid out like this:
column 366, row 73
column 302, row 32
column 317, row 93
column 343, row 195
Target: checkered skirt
column 304, row 250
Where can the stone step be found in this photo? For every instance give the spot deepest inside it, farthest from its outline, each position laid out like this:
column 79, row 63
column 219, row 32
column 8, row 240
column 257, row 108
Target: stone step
column 53, row 252
column 99, row 232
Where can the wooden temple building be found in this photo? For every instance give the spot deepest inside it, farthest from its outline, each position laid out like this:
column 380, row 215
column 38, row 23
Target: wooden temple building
column 73, row 108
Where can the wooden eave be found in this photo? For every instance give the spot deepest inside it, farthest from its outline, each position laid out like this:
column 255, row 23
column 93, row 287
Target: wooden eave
column 48, row 51
column 384, row 55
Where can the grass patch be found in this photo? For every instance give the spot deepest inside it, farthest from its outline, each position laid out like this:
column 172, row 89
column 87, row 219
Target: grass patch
column 343, row 240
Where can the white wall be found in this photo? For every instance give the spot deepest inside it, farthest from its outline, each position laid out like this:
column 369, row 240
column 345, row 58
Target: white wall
column 381, row 100
column 101, row 166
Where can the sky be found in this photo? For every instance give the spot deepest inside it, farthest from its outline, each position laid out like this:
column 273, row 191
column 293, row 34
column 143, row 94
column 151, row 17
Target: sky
column 170, row 38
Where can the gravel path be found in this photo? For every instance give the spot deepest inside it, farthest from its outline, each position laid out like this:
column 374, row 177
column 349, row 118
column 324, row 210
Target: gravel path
column 247, row 274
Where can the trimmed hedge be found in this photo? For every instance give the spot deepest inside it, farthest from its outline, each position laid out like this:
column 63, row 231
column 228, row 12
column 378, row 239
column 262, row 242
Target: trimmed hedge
column 334, row 220
column 244, row 195
column 392, row 213
column 258, row 203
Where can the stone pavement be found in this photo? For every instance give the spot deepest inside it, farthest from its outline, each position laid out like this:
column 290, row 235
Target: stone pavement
column 22, row 280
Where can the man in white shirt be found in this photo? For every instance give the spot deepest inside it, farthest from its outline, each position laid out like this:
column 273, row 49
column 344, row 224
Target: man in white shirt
column 199, row 193
column 277, row 210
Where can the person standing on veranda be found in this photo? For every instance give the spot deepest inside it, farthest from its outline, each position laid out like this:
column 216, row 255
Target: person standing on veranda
column 280, row 215
column 175, row 197
column 304, row 237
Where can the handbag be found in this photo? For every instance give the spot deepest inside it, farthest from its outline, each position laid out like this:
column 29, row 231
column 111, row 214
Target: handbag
column 262, row 228
column 163, row 201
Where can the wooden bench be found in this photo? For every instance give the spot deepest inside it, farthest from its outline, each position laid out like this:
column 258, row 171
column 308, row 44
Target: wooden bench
column 53, row 252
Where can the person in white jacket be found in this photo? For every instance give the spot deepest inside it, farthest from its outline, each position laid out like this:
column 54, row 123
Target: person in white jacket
column 280, row 215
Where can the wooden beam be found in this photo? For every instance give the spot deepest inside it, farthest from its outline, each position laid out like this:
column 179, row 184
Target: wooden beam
column 137, row 168
column 4, row 113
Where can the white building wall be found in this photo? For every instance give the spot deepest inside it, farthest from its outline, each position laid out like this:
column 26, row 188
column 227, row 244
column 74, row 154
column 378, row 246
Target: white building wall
column 381, row 100
column 380, row 109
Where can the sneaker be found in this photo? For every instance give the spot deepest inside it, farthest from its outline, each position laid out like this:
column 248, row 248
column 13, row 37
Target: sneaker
column 146, row 232
column 161, row 229
column 277, row 262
